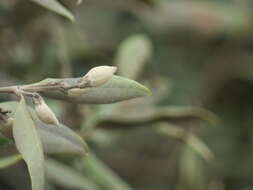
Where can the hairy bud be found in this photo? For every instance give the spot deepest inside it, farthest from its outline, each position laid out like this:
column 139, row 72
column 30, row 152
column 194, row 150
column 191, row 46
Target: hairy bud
column 44, row 113
column 74, row 92
column 99, row 75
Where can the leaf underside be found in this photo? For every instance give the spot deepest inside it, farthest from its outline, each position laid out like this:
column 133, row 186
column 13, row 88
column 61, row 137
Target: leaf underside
column 29, row 145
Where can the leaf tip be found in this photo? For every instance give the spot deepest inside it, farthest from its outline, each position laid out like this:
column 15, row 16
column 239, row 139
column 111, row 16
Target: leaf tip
column 72, row 18
column 149, row 92
column 145, row 91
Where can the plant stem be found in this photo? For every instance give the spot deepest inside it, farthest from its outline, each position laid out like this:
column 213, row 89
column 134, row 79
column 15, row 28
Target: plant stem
column 9, row 89
column 29, row 89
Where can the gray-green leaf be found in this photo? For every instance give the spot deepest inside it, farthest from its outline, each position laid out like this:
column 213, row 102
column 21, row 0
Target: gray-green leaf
column 132, row 55
column 65, row 176
column 61, row 139
column 55, row 6
column 143, row 115
column 103, row 175
column 115, row 90
column 54, row 139
column 10, row 160
column 29, row 145
column 196, row 144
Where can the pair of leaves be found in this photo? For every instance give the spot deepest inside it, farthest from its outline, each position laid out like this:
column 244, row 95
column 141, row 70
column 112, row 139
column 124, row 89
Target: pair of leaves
column 54, row 139
column 32, row 136
column 55, row 6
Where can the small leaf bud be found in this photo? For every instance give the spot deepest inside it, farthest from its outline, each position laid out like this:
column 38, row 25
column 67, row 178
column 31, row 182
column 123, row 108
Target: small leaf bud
column 99, row 75
column 44, row 113
column 74, row 92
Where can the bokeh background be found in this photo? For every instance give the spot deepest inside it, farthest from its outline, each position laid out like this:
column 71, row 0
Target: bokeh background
column 195, row 55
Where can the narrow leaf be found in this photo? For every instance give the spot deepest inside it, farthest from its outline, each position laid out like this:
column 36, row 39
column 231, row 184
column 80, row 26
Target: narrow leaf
column 10, row 160
column 29, row 145
column 103, row 175
column 65, row 176
column 55, row 6
column 192, row 173
column 188, row 138
column 115, row 90
column 144, row 115
column 132, row 55
column 61, row 139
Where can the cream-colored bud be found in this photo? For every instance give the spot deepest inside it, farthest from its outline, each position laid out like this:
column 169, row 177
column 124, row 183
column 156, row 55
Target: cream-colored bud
column 74, row 92
column 44, row 113
column 99, row 75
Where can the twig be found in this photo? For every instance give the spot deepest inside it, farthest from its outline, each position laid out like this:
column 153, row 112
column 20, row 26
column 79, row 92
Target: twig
column 33, row 89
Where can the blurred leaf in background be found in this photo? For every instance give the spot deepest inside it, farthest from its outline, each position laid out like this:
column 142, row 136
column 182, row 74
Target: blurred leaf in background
column 195, row 56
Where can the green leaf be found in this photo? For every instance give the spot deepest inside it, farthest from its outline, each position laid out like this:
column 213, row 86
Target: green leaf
column 186, row 137
column 103, row 175
column 144, row 115
column 29, row 145
column 61, row 139
column 10, row 160
column 65, row 176
column 115, row 90
column 180, row 112
column 54, row 139
column 132, row 55
column 191, row 174
column 55, row 6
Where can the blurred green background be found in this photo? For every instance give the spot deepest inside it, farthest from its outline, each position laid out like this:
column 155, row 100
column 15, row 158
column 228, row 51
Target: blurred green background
column 192, row 54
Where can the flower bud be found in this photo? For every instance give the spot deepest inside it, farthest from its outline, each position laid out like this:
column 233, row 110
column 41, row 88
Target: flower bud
column 44, row 113
column 99, row 75
column 75, row 92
